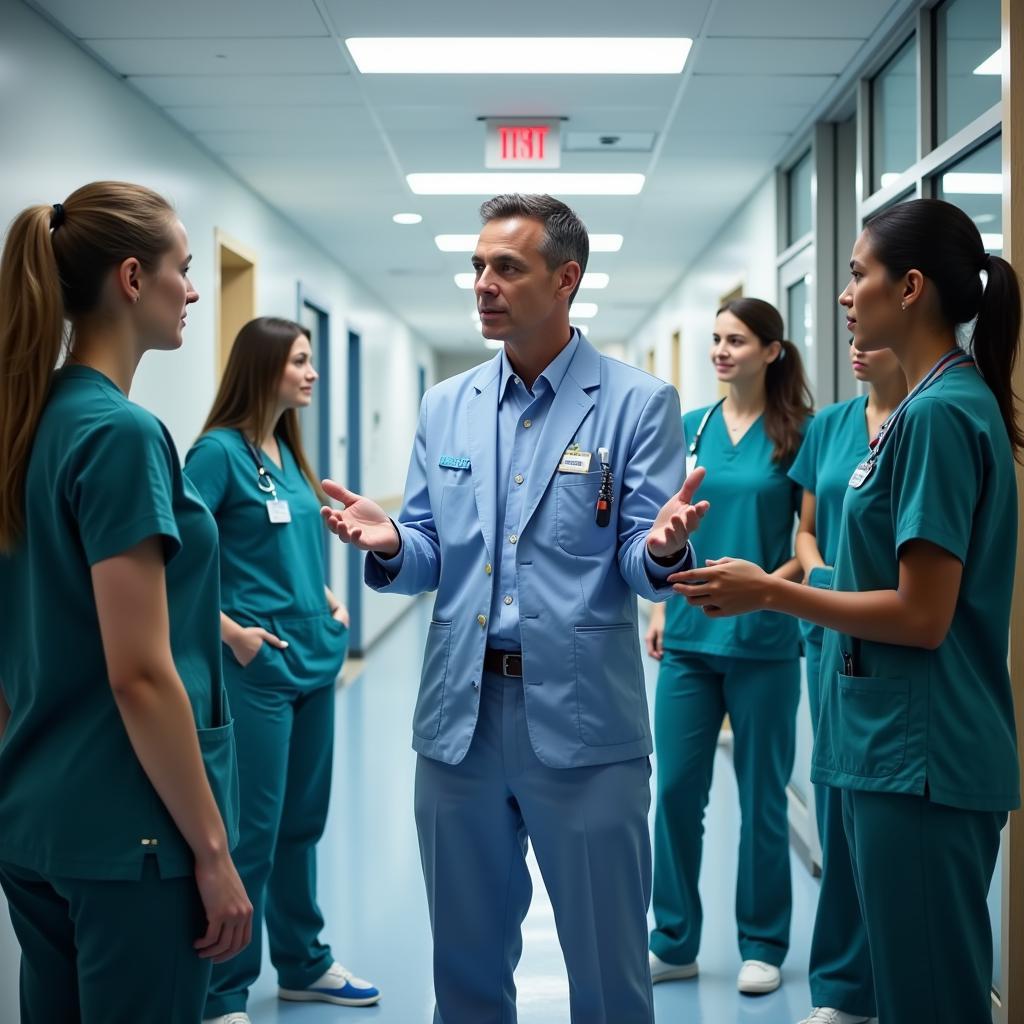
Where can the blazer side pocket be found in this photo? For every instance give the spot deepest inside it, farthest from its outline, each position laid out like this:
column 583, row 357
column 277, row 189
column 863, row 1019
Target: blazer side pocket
column 426, row 721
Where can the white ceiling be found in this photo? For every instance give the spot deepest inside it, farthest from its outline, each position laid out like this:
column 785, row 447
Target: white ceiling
column 269, row 87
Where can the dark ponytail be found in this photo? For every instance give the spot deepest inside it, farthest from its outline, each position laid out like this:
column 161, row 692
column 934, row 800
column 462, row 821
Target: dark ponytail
column 944, row 244
column 788, row 401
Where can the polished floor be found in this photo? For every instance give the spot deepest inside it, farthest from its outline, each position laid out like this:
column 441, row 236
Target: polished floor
column 372, row 892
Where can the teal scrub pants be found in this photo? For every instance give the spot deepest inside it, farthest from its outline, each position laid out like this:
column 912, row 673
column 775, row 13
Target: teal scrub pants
column 285, row 739
column 694, row 693
column 108, row 952
column 840, row 963
column 923, row 873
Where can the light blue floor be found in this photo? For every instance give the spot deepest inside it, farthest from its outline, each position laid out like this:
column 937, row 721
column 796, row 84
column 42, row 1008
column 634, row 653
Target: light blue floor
column 372, row 892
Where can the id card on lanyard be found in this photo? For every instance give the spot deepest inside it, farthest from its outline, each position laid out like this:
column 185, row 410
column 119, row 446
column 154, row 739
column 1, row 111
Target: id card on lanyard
column 277, row 509
column 956, row 357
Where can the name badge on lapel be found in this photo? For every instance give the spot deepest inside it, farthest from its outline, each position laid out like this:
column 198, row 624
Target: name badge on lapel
column 574, row 460
column 861, row 473
column 453, row 462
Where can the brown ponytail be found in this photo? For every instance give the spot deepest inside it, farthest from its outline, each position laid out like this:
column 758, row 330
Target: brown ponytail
column 788, row 401
column 53, row 266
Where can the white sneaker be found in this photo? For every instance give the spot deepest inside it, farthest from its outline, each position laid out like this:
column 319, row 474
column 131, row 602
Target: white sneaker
column 229, row 1018
column 826, row 1015
column 757, row 978
column 336, row 985
column 661, row 971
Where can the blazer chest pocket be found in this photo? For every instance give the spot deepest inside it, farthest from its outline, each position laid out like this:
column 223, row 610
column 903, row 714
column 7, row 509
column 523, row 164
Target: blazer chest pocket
column 576, row 529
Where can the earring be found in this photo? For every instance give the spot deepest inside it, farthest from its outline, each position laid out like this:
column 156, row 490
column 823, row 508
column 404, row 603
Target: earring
column 903, row 306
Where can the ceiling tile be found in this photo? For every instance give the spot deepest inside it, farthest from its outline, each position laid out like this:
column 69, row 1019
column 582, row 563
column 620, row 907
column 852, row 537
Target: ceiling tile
column 799, row 19
column 271, row 119
column 185, row 19
column 247, row 90
column 221, row 56
column 467, row 18
column 731, row 55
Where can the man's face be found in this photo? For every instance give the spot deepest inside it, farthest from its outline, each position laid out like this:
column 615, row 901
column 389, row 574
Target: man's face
column 516, row 292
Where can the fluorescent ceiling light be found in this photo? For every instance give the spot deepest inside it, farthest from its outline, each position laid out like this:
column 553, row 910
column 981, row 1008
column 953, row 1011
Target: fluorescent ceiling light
column 992, row 66
column 519, row 56
column 525, row 182
column 584, row 328
column 583, row 310
column 493, row 343
column 972, row 184
column 889, row 177
column 407, row 218
column 467, row 243
column 468, row 279
column 992, row 241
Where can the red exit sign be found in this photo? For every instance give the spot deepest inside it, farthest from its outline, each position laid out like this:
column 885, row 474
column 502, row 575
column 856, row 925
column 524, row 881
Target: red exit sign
column 521, row 143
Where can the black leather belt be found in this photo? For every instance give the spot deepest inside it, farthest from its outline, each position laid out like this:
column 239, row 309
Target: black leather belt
column 504, row 663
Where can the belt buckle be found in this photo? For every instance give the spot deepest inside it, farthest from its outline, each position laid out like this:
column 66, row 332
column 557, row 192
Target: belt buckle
column 505, row 659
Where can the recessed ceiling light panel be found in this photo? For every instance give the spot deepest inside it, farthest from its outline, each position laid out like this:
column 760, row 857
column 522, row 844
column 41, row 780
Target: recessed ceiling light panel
column 519, row 56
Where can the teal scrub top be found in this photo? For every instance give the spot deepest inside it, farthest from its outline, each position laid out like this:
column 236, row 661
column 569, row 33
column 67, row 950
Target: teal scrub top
column 910, row 720
column 75, row 802
column 753, row 515
column 272, row 574
column 835, row 443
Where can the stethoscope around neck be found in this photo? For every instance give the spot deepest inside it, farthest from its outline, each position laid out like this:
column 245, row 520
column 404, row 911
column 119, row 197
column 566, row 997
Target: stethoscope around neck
column 263, row 480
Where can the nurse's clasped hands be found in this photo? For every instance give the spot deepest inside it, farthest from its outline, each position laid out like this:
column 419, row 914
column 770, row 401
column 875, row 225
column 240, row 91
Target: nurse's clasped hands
column 724, row 587
column 362, row 522
column 678, row 518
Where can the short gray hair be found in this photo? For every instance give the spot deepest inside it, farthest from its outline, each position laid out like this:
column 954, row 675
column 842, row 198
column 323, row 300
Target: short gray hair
column 565, row 235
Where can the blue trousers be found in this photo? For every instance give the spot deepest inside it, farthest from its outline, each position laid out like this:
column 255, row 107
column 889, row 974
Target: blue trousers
column 285, row 738
column 694, row 693
column 840, row 964
column 589, row 832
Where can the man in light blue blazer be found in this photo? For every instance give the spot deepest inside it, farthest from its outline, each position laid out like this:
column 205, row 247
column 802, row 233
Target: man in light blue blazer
column 543, row 495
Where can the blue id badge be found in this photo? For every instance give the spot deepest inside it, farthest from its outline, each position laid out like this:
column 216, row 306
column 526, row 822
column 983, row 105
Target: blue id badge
column 453, row 462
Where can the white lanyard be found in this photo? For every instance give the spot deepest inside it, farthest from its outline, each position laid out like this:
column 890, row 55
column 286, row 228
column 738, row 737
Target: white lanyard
column 691, row 453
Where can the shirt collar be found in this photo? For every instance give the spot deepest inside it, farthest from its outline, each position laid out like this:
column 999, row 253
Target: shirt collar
column 552, row 375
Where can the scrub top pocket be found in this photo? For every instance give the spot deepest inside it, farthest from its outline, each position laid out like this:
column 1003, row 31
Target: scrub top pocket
column 873, row 716
column 217, row 747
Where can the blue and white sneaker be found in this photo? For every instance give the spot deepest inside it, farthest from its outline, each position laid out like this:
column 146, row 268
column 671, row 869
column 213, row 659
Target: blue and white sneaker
column 338, row 986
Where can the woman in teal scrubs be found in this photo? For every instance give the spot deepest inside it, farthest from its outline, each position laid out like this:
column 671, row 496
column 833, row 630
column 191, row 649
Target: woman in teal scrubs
column 917, row 723
column 836, row 442
column 117, row 768
column 748, row 668
column 285, row 638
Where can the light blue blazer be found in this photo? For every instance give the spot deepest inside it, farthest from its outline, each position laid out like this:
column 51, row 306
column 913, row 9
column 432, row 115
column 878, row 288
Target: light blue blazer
column 583, row 677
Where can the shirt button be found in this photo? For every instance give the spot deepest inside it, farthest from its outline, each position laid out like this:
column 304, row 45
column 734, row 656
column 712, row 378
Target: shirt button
column 519, row 478
column 475, row 685
column 527, row 424
column 482, row 619
column 487, row 568
column 513, row 538
column 508, row 599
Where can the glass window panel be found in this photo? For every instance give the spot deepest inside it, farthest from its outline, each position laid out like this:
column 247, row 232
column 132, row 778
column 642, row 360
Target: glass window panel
column 799, row 189
column 894, row 116
column 968, row 82
column 799, row 318
column 995, row 910
column 975, row 184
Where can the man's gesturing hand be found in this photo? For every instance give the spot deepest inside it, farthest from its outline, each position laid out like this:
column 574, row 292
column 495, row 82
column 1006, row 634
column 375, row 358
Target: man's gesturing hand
column 677, row 519
column 362, row 522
